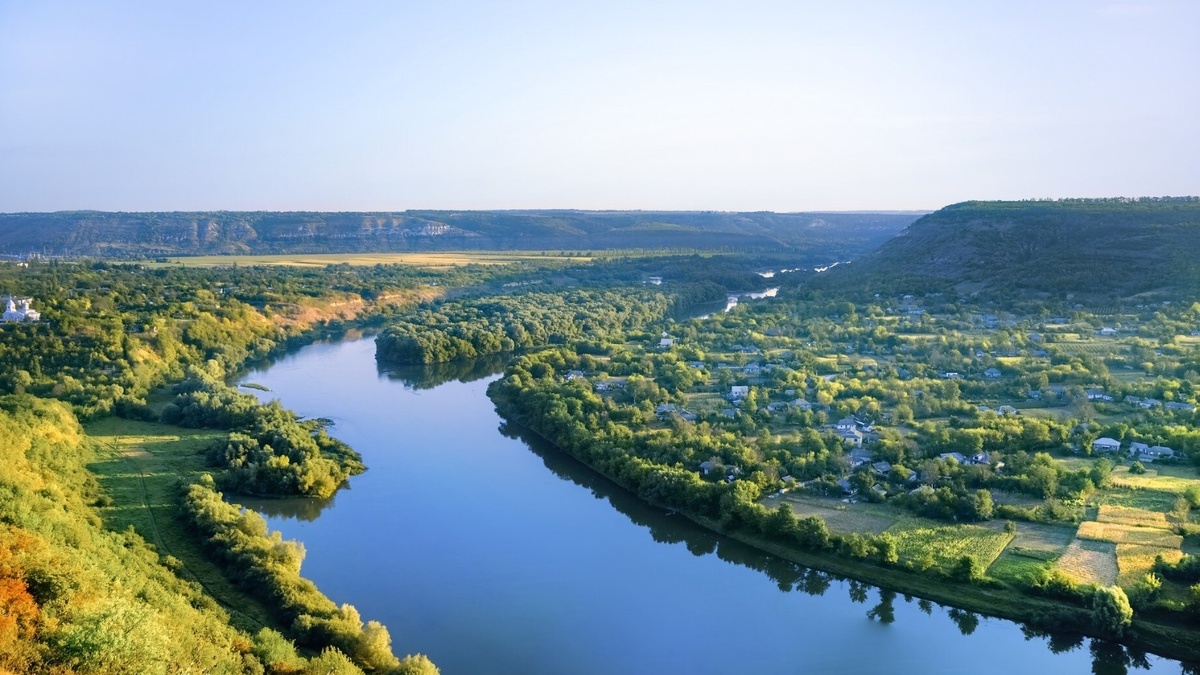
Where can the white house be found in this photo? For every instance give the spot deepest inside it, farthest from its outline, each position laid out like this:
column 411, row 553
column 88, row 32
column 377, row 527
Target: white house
column 992, row 372
column 1106, row 445
column 739, row 392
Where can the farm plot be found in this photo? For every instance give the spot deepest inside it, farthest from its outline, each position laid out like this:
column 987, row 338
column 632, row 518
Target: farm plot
column 1121, row 515
column 945, row 544
column 1134, row 561
column 1090, row 562
column 1127, row 534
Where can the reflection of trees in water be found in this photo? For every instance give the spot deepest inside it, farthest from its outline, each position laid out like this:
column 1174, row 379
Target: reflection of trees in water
column 1107, row 657
column 296, row 508
column 436, row 374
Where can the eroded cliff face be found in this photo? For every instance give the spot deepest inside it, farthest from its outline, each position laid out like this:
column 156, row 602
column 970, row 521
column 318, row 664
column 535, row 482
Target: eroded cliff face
column 94, row 233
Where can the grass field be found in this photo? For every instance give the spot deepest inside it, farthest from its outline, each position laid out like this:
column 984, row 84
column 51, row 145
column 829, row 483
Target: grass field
column 139, row 465
column 863, row 518
column 918, row 538
column 1174, row 479
column 1090, row 562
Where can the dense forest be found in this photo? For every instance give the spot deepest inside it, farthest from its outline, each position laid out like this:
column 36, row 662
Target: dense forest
column 817, row 237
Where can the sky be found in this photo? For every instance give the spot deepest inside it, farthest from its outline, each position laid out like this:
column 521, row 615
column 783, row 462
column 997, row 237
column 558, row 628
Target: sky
column 734, row 106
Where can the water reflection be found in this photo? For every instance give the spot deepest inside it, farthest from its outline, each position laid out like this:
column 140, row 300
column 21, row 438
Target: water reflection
column 427, row 377
column 293, row 508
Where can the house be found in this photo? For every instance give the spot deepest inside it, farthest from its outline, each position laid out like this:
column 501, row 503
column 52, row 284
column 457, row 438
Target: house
column 666, row 343
column 1106, row 445
column 655, row 281
column 1136, row 448
column 698, row 365
column 17, row 311
column 879, row 491
column 981, row 458
column 752, row 369
column 883, row 468
column 777, row 406
column 1181, row 407
column 956, row 456
column 1006, row 410
column 1156, row 452
column 1034, row 395
column 847, row 488
column 992, row 372
column 801, row 404
column 858, row 457
column 574, row 375
column 847, row 423
column 688, row 416
column 601, row 387
column 738, row 392
column 1107, row 332
column 851, row 437
column 665, row 410
column 1098, row 395
column 729, row 412
column 951, row 376
column 706, row 466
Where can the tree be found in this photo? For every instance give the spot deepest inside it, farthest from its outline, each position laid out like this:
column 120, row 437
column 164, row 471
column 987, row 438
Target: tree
column 417, row 664
column 1111, row 611
column 967, row 569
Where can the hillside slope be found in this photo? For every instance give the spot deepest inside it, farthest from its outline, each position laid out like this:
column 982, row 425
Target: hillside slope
column 134, row 235
column 1107, row 247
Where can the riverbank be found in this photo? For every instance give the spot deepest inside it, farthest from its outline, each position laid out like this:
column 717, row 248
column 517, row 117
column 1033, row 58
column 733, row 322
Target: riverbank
column 1043, row 615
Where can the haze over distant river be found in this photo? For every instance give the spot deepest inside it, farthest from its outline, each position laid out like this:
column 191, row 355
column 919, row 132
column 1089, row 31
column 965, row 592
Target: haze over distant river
column 493, row 553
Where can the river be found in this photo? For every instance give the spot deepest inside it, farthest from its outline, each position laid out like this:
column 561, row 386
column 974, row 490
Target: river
column 493, row 553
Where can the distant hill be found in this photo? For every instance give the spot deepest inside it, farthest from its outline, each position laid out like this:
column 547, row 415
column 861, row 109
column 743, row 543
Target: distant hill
column 829, row 236
column 1109, row 247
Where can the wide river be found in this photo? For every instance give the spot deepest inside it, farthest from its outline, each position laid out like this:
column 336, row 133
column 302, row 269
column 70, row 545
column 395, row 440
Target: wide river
column 493, row 553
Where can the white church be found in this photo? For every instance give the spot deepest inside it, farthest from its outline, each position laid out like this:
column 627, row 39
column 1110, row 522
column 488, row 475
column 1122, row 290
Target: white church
column 17, row 311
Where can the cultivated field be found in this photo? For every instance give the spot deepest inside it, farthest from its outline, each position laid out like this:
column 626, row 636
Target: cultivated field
column 1090, row 562
column 1122, row 515
column 1126, row 534
column 919, row 539
column 1134, row 561
column 862, row 518
column 439, row 259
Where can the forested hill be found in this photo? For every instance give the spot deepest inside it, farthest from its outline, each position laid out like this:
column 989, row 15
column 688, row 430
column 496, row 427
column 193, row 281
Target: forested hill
column 1112, row 247
column 828, row 236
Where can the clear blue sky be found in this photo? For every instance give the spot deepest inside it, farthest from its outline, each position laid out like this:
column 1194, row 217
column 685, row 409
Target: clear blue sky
column 745, row 105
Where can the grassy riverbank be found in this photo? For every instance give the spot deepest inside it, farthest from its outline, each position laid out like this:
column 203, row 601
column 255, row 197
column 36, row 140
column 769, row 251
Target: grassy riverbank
column 140, row 466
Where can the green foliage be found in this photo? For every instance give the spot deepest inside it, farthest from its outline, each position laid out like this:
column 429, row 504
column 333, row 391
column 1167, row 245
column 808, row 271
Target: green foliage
column 272, row 452
column 1111, row 611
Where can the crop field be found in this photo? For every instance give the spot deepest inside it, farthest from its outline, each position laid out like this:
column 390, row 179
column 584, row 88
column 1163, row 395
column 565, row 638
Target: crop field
column 1134, row 561
column 437, row 259
column 706, row 402
column 1090, row 348
column 1126, row 534
column 1090, row 562
column 1122, row 515
column 945, row 544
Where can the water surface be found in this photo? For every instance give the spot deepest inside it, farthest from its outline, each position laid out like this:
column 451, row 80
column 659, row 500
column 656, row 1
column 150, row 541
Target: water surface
column 493, row 553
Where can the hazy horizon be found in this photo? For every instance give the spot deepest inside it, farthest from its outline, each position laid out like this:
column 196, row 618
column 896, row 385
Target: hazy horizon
column 762, row 106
